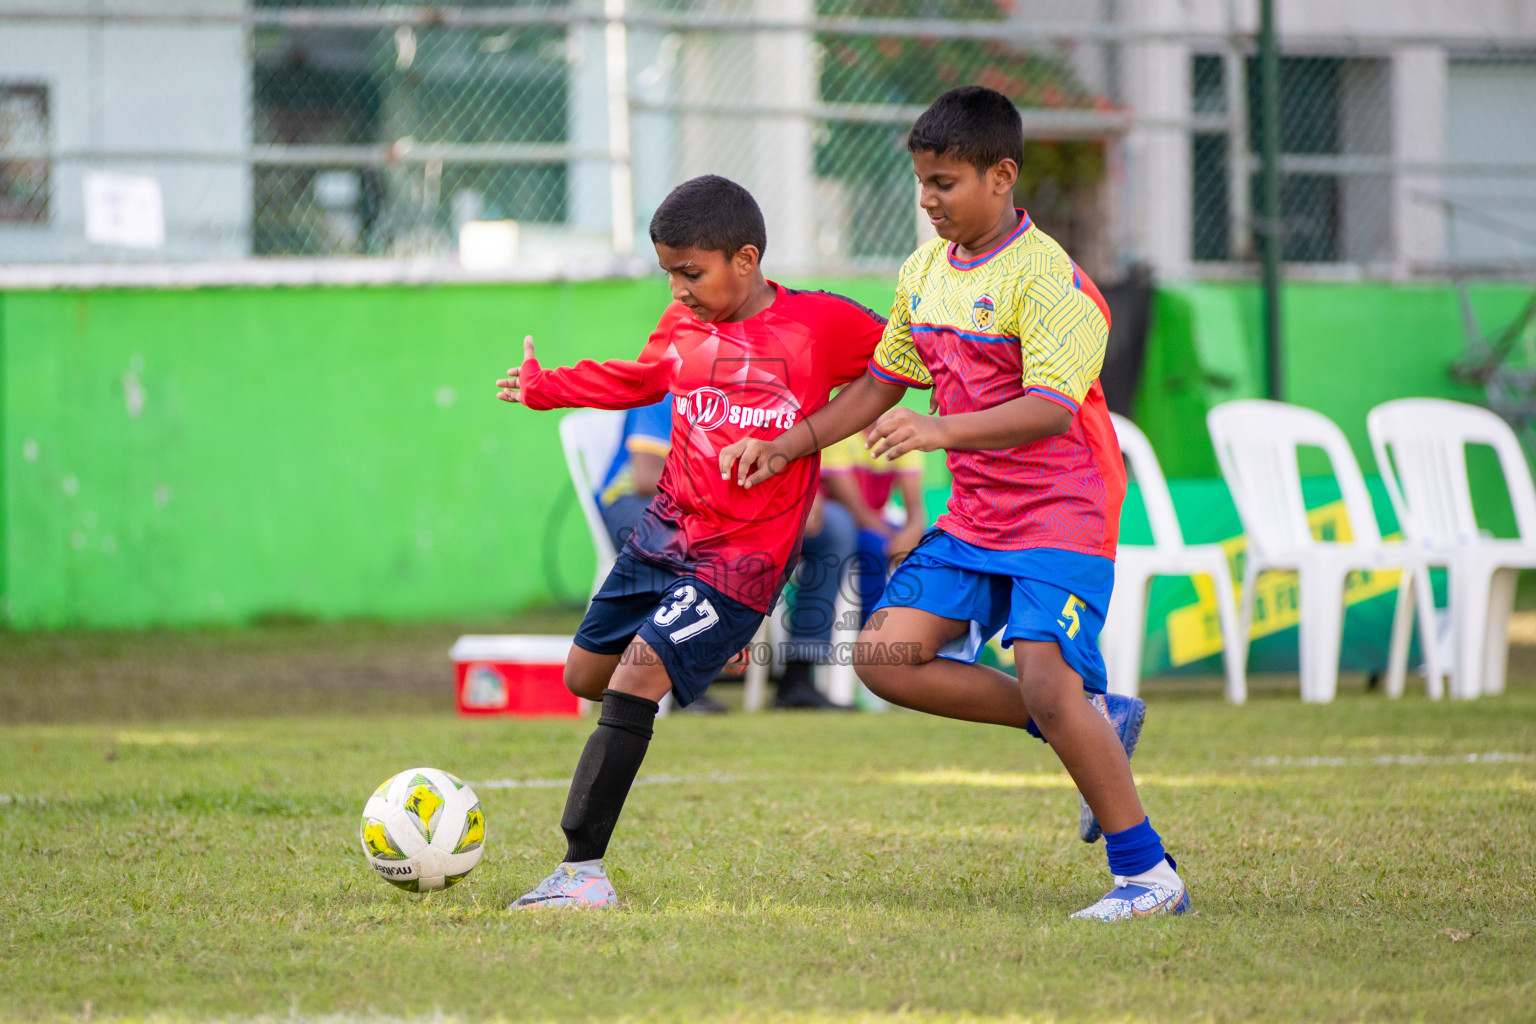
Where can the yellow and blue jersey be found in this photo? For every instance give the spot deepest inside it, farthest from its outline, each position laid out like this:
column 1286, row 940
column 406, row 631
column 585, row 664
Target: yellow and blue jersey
column 1021, row 319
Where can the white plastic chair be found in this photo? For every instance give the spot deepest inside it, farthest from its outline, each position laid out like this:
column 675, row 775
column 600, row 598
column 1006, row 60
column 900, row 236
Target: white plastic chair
column 1256, row 444
column 590, row 439
column 1167, row 555
column 1421, row 446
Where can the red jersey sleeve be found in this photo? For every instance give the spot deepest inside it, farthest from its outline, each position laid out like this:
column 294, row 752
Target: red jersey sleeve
column 612, row 384
column 852, row 331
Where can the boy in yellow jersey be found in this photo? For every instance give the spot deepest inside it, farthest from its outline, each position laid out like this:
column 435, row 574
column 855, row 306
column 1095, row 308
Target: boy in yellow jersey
column 1010, row 334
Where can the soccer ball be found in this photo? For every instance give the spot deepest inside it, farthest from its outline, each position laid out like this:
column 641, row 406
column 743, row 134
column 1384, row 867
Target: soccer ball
column 422, row 830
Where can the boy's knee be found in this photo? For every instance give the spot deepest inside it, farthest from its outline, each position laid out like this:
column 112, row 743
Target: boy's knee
column 585, row 679
column 1046, row 682
column 880, row 665
column 876, row 677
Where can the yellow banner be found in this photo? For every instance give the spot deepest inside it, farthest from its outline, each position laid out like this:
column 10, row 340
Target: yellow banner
column 1194, row 631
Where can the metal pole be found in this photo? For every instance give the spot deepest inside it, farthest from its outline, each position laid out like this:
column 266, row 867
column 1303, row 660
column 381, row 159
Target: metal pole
column 1269, row 195
column 621, row 175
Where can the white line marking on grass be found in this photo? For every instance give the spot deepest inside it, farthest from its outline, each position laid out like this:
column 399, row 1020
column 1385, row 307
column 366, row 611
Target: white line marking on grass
column 1491, row 757
column 520, row 784
column 644, row 780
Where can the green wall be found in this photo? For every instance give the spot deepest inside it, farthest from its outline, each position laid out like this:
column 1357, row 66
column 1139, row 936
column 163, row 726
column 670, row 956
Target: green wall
column 223, row 453
column 1347, row 348
column 217, row 454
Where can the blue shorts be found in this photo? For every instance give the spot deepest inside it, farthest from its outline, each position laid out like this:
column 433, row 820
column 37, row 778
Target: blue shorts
column 1034, row 594
column 693, row 627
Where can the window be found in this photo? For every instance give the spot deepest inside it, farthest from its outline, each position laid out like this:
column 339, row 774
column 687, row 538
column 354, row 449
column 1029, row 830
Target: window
column 23, row 145
column 1210, row 216
column 434, row 85
column 1331, row 109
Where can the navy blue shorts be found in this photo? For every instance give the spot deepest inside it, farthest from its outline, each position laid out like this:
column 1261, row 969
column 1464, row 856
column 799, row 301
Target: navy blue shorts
column 693, row 627
column 1035, row 594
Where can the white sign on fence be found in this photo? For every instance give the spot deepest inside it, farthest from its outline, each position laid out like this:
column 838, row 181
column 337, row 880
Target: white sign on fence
column 124, row 209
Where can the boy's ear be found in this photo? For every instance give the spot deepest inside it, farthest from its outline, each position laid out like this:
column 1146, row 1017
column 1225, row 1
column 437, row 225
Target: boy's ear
column 1003, row 176
column 745, row 259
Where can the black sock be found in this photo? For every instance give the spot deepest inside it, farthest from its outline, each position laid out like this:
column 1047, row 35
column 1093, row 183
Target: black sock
column 605, row 772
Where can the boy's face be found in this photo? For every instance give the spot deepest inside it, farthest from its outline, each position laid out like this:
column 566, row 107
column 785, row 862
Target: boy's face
column 963, row 204
column 711, row 284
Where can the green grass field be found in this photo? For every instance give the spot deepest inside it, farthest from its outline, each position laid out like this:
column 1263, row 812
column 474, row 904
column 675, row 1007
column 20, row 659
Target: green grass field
column 180, row 848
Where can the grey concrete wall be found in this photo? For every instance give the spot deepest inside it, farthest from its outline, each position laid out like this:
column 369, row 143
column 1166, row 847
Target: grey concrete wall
column 162, row 90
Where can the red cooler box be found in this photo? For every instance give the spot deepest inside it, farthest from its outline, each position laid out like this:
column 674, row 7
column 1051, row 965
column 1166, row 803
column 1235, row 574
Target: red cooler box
column 513, row 675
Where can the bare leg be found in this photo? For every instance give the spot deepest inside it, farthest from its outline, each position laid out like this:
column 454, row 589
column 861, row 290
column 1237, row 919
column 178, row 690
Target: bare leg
column 926, row 682
column 587, row 674
column 640, row 672
column 1085, row 742
column 1046, row 689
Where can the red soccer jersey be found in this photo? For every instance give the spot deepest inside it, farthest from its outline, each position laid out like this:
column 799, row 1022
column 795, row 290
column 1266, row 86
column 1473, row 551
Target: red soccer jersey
column 755, row 378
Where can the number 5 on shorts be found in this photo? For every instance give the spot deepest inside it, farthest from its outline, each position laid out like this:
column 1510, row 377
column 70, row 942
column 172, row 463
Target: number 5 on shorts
column 1069, row 617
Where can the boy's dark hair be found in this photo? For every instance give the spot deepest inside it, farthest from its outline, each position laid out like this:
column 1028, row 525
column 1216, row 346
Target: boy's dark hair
column 712, row 213
column 978, row 125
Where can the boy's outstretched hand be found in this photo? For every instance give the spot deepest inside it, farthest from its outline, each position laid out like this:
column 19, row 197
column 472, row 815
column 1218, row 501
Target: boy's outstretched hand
column 753, row 460
column 901, row 430
column 511, row 387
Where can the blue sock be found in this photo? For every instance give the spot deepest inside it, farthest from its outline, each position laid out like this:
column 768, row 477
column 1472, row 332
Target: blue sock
column 1034, row 730
column 1135, row 850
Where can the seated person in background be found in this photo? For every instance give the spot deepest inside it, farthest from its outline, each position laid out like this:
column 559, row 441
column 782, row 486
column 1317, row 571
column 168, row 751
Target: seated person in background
column 861, row 483
column 631, row 481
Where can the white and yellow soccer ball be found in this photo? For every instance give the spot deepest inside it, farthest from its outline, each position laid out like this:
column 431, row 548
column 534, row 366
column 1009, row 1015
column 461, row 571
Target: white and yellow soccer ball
column 422, row 830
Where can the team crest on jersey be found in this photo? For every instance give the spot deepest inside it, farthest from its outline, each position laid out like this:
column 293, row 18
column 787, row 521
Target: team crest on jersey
column 982, row 312
column 705, row 408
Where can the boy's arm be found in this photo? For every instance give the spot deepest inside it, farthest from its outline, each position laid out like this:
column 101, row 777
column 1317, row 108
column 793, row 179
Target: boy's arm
column 852, row 409
column 1019, row 421
column 891, row 366
column 615, row 384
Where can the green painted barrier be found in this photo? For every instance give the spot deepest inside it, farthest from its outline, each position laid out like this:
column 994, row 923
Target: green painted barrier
column 223, row 453
column 1347, row 348
column 219, row 454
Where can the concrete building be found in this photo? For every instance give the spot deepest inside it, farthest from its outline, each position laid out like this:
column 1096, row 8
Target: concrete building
column 101, row 93
column 1409, row 106
column 1409, row 131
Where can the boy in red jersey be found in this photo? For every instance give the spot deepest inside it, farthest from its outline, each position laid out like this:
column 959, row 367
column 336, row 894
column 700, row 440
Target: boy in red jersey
column 1010, row 334
column 744, row 357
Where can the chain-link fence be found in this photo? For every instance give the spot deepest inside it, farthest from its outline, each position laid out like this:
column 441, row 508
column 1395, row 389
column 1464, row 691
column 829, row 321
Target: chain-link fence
column 539, row 136
column 1426, row 157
